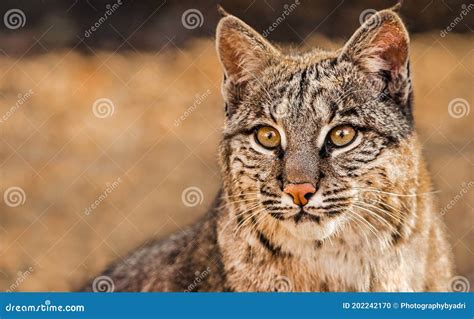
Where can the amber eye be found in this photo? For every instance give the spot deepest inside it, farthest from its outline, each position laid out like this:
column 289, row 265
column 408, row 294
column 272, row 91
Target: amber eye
column 342, row 135
column 268, row 137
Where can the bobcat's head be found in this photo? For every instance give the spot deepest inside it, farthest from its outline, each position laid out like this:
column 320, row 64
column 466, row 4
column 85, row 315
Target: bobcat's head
column 315, row 141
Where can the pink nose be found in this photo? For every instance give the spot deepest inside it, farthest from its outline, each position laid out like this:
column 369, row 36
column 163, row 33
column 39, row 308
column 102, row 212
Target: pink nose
column 300, row 192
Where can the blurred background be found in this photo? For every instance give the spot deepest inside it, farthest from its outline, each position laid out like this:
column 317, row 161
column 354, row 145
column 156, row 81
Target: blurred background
column 110, row 116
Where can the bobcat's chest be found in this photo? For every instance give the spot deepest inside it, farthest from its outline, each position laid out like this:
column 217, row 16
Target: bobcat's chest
column 328, row 269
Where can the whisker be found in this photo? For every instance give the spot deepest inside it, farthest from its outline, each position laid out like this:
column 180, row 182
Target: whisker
column 249, row 202
column 239, row 195
column 379, row 218
column 257, row 222
column 253, row 214
column 243, row 201
column 386, row 211
column 236, row 216
column 403, row 214
column 403, row 204
column 360, row 226
column 249, row 210
column 375, row 190
column 371, row 227
column 330, row 241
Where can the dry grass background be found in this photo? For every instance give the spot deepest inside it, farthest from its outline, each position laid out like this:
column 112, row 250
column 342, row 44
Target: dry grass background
column 62, row 156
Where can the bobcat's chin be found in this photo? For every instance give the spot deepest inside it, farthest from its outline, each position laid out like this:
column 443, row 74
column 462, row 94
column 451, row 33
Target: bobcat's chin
column 306, row 225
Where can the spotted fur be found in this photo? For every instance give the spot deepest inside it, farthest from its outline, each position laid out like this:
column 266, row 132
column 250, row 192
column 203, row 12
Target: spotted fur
column 370, row 226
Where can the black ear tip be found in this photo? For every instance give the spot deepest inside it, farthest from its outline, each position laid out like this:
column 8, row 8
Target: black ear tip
column 221, row 11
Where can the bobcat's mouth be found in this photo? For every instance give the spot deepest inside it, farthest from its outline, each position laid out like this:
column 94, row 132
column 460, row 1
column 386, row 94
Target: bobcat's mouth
column 303, row 216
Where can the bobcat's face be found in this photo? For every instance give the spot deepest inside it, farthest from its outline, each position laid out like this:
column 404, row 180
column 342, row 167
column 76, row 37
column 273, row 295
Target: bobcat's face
column 314, row 140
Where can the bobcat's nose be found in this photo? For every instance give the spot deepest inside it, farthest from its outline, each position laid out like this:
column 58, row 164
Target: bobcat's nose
column 301, row 193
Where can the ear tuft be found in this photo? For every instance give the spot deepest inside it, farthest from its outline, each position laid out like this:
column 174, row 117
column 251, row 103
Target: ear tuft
column 397, row 7
column 222, row 11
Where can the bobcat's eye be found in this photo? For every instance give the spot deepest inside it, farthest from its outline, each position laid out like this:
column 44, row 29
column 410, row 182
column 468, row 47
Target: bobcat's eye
column 268, row 137
column 342, row 135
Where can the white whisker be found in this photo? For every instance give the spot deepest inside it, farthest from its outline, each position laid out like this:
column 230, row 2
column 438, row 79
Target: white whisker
column 375, row 190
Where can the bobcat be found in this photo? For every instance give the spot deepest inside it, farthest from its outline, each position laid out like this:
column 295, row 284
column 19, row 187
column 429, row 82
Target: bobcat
column 324, row 184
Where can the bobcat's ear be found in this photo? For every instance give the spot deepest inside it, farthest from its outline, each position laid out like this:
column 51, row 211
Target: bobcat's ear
column 380, row 45
column 242, row 51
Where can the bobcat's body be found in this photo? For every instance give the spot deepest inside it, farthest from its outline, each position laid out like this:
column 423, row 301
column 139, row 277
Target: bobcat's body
column 418, row 263
column 369, row 225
